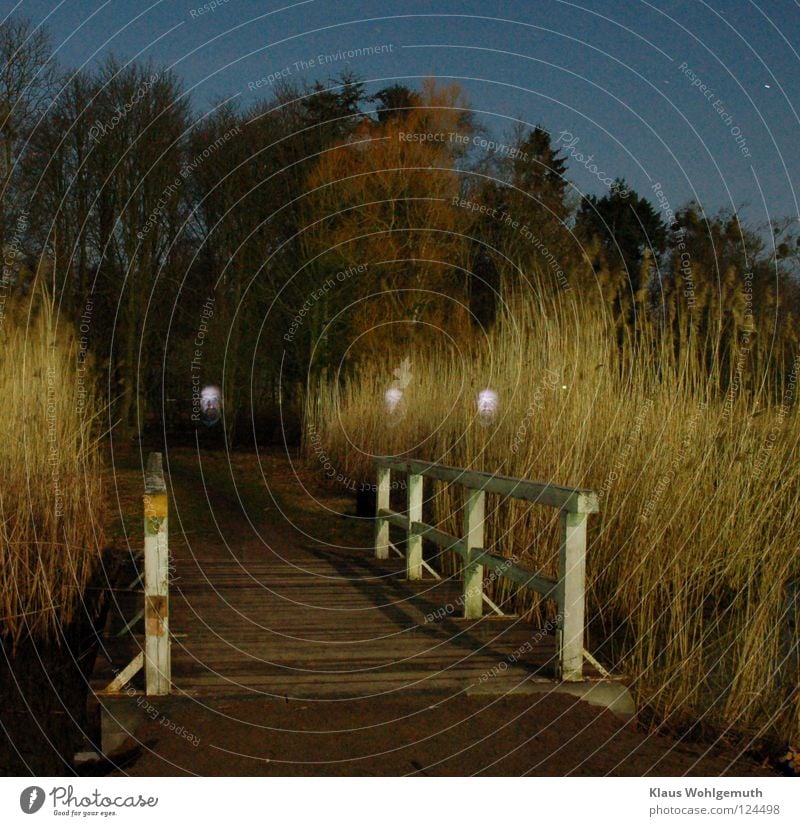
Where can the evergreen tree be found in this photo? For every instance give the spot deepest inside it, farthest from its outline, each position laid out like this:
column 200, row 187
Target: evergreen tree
column 539, row 171
column 626, row 226
column 394, row 102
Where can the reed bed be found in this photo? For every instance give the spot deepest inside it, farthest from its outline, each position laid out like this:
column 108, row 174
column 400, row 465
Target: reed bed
column 693, row 555
column 51, row 502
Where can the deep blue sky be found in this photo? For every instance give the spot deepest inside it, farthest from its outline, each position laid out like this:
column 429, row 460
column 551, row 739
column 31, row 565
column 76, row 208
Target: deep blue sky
column 607, row 71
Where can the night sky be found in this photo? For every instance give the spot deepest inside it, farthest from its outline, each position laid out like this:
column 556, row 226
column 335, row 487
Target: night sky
column 617, row 76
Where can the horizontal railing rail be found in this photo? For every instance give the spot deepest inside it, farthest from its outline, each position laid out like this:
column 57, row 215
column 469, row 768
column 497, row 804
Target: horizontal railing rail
column 577, row 500
column 574, row 504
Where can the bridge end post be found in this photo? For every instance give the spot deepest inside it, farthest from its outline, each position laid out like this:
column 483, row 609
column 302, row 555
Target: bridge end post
column 382, row 503
column 474, row 514
column 157, row 659
column 571, row 595
column 413, row 539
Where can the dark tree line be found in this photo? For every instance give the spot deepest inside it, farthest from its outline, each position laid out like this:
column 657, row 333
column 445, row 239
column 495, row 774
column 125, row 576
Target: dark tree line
column 188, row 244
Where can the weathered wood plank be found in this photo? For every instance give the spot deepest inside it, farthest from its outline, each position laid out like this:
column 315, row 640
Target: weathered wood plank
column 519, row 574
column 393, row 517
column 444, row 540
column 126, row 675
column 577, row 500
column 154, row 474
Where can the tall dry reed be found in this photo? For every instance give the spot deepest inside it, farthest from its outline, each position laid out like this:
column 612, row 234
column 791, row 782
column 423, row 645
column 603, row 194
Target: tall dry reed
column 690, row 560
column 51, row 503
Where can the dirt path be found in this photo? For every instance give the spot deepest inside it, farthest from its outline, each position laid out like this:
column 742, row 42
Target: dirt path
column 224, row 514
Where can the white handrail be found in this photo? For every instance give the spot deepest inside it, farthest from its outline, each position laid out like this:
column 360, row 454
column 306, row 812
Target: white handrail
column 569, row 590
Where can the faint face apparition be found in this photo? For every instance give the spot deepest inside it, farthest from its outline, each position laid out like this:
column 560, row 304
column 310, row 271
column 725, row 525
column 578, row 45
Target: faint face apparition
column 394, row 405
column 488, row 403
column 210, row 405
column 393, row 398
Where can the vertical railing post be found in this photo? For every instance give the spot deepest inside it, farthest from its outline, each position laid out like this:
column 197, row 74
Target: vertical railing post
column 156, row 580
column 474, row 515
column 413, row 539
column 382, row 503
column 571, row 595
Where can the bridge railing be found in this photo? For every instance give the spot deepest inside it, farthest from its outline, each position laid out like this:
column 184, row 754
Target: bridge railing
column 568, row 590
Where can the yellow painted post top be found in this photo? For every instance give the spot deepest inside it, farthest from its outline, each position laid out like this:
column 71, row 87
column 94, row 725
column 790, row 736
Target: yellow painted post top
column 155, row 505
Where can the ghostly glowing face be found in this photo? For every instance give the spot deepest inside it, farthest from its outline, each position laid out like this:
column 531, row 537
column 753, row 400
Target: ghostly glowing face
column 210, row 404
column 393, row 397
column 488, row 404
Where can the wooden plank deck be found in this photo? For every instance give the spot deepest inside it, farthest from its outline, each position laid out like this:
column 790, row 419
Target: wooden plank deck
column 330, row 624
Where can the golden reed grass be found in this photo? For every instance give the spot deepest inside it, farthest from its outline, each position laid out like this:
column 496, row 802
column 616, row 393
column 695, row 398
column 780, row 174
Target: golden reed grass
column 51, row 503
column 690, row 556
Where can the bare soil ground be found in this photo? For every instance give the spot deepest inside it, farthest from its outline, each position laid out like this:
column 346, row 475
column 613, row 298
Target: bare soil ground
column 423, row 735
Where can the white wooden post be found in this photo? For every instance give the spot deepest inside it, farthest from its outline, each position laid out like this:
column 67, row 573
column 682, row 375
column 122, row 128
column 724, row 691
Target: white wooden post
column 474, row 515
column 571, row 595
column 156, row 580
column 414, row 540
column 382, row 503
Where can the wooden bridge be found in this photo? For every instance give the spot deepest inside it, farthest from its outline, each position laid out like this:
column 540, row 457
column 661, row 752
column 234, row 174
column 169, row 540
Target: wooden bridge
column 289, row 617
